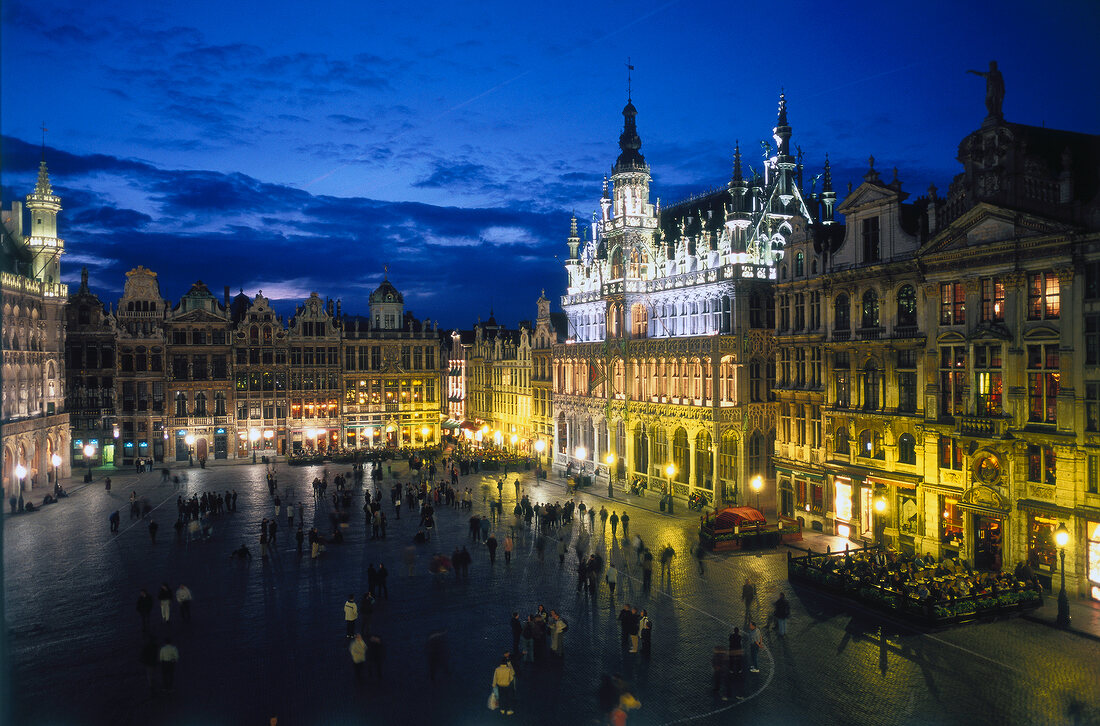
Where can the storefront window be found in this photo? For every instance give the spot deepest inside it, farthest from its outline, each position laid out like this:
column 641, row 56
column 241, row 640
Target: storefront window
column 1093, row 553
column 800, row 494
column 908, row 514
column 951, row 521
column 867, row 513
column 842, row 503
column 1042, row 553
column 819, row 498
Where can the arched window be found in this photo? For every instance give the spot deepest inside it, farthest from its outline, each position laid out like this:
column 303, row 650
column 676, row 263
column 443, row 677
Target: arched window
column 799, row 264
column 841, row 446
column 219, row 404
column 254, row 334
column 870, row 444
column 907, row 449
column 181, row 404
column 639, row 264
column 907, row 307
column 869, row 318
column 841, row 312
column 639, row 321
column 267, row 335
column 758, row 454
column 617, row 264
column 200, row 404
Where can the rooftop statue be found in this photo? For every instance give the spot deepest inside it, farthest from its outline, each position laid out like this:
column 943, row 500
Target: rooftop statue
column 994, row 89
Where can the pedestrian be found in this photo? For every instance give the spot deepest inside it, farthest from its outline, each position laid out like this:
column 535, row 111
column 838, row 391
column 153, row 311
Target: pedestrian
column 366, row 612
column 557, row 628
column 491, row 544
column 528, row 635
column 153, row 526
column 517, row 632
column 272, row 528
column 358, row 650
column 437, row 653
column 383, row 588
column 169, row 656
column 645, row 633
column 504, row 680
column 748, row 595
column 612, row 578
column 509, row 545
column 700, row 555
column 719, row 663
column 183, row 597
column 149, row 657
column 351, row 615
column 376, row 651
column 165, row 597
column 107, row 483
column 625, row 521
column 756, row 642
column 626, row 626
column 736, row 660
column 603, row 519
column 636, row 633
column 114, row 520
column 781, row 611
column 614, row 523
column 666, row 559
column 561, row 551
column 298, row 537
column 647, row 570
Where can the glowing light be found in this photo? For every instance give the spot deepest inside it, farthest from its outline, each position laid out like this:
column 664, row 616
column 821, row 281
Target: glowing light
column 55, row 460
column 757, row 483
column 540, row 446
column 20, row 471
column 670, row 470
column 89, row 450
column 581, row 452
column 880, row 504
column 254, row 435
column 1061, row 535
column 189, row 439
column 269, row 434
column 116, row 432
column 514, row 439
column 610, row 459
column 425, row 431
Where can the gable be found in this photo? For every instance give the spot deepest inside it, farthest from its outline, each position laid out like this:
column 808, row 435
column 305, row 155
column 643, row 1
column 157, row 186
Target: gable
column 865, row 194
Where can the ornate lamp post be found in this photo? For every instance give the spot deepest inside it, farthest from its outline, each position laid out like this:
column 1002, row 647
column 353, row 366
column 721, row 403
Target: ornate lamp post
column 20, row 475
column 540, row 446
column 757, row 484
column 89, row 452
column 1061, row 538
column 254, row 436
column 880, row 508
column 190, row 441
column 670, row 471
column 56, row 461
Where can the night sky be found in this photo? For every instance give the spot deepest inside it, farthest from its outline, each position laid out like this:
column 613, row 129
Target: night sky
column 297, row 147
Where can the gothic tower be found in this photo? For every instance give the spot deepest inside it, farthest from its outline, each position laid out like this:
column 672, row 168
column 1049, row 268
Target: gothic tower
column 43, row 241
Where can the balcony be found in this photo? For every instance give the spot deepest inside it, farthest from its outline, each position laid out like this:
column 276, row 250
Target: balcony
column 986, row 427
column 842, row 335
column 870, row 333
column 911, row 331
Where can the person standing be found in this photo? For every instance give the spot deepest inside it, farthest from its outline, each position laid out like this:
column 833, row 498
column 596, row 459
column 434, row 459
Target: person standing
column 614, row 519
column 153, row 526
column 748, row 595
column 625, row 617
column 169, row 657
column 358, row 650
column 625, row 520
column 781, row 611
column 504, row 681
column 756, row 642
column 272, row 528
column 383, row 588
column 144, row 608
column 647, row 570
column 165, row 597
column 517, row 632
column 509, row 545
column 114, row 520
column 351, row 615
column 645, row 633
column 558, row 626
column 612, row 578
column 183, row 598
column 737, row 654
column 376, row 651
column 561, row 551
column 700, row 555
column 491, row 544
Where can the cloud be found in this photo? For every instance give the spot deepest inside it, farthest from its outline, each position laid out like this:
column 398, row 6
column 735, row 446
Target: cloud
column 460, row 176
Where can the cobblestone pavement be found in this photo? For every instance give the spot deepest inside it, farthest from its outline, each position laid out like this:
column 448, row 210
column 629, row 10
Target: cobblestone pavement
column 268, row 639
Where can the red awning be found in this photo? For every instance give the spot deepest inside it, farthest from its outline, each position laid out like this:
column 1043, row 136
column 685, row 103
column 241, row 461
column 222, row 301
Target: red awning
column 470, row 425
column 737, row 517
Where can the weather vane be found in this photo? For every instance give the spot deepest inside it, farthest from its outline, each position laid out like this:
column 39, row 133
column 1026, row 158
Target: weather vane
column 629, row 68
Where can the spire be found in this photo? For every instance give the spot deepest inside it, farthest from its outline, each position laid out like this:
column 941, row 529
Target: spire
column 828, row 196
column 42, row 187
column 827, row 184
column 630, row 142
column 782, row 131
column 573, row 225
column 737, row 179
column 782, row 109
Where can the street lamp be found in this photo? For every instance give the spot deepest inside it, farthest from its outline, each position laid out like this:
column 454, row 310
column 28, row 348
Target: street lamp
column 581, row 453
column 189, row 440
column 89, row 451
column 757, row 483
column 254, row 436
column 425, row 432
column 670, row 470
column 1061, row 538
column 880, row 507
column 20, row 475
column 56, row 461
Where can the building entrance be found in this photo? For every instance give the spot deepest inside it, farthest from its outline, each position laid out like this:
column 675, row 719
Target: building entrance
column 988, row 535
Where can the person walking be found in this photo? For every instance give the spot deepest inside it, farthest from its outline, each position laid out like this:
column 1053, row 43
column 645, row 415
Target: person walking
column 383, row 588
column 561, row 551
column 351, row 615
column 719, row 663
column 736, row 659
column 153, row 526
column 756, row 642
column 509, row 545
column 169, row 657
column 781, row 611
column 183, row 598
column 612, row 578
column 645, row 633
column 626, row 626
column 666, row 560
column 376, row 652
column 358, row 650
column 647, row 570
column 517, row 633
column 144, row 608
column 748, row 595
column 504, row 681
column 700, row 555
column 614, row 519
column 165, row 597
column 114, row 520
column 272, row 528
column 557, row 628
column 298, row 537
column 625, row 521
column 491, row 544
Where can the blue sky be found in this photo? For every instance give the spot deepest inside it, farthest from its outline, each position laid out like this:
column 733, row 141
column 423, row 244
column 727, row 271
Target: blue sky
column 297, row 147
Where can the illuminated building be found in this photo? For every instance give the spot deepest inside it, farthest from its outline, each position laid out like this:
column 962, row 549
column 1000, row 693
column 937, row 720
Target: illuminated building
column 35, row 424
column 392, row 375
column 199, row 384
column 315, row 385
column 90, row 370
column 952, row 365
column 549, row 330
column 666, row 372
column 497, row 365
column 261, row 372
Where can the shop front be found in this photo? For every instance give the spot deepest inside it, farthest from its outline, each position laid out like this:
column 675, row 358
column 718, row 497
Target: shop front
column 986, row 512
column 1092, row 556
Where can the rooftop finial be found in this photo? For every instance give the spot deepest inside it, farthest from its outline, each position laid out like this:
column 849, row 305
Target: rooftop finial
column 782, row 108
column 629, row 68
column 573, row 225
column 737, row 177
column 386, row 272
column 44, row 130
column 827, row 184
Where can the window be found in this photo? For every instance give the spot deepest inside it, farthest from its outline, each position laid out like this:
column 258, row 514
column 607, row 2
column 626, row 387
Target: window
column 219, row 404
column 179, row 367
column 952, row 380
column 756, row 381
column 1042, row 383
column 376, row 358
column 757, row 302
column 1092, row 405
column 841, row 319
column 869, row 318
column 993, row 300
column 951, row 454
column 799, row 311
column 907, row 307
column 952, row 304
column 907, row 449
column 1092, row 340
column 181, row 404
column 198, row 337
column 799, row 264
column 1041, row 465
column 870, row 445
column 1043, row 296
column 218, row 337
column 220, row 371
column 869, row 233
column 198, row 368
column 784, row 312
column 1092, row 280
column 907, row 381
column 987, row 369
column 872, row 387
column 842, row 441
column 843, row 383
column 200, row 404
column 1092, row 482
column 179, row 337
column 815, row 310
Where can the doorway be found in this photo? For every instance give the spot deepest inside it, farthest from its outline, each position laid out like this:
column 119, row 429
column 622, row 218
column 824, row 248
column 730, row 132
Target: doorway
column 987, row 543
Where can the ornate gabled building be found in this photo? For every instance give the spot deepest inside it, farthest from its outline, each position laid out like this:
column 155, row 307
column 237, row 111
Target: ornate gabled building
column 35, row 424
column 497, row 363
column 199, row 380
column 960, row 409
column 665, row 375
column 392, row 375
column 90, row 370
column 141, row 376
column 261, row 373
column 549, row 331
column 314, row 340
